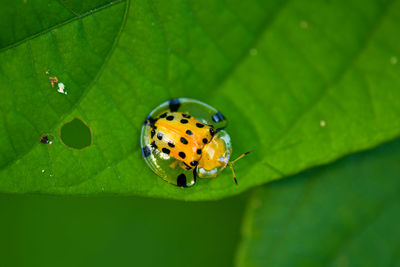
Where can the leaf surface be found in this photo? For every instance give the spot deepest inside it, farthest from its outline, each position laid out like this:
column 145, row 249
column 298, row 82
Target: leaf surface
column 301, row 82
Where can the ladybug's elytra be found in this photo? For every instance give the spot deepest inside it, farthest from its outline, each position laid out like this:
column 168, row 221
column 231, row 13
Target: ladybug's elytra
column 183, row 139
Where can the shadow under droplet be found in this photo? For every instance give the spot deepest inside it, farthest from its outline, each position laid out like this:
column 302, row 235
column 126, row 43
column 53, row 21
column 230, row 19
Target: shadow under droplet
column 76, row 134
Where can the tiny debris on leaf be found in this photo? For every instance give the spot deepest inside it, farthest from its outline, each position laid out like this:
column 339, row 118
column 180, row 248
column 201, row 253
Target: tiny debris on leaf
column 46, row 139
column 53, row 80
column 61, row 88
column 322, row 123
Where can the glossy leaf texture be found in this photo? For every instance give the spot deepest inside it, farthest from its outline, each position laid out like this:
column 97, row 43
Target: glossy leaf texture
column 345, row 214
column 301, row 82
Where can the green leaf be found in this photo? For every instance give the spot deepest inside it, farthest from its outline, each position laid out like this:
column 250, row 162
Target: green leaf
column 277, row 69
column 345, row 214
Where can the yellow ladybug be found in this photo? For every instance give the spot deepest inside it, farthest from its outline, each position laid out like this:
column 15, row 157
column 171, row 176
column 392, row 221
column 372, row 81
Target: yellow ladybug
column 183, row 139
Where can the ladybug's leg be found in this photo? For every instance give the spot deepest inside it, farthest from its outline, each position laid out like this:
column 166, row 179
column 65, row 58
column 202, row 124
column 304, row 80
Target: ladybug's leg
column 241, row 156
column 232, row 162
column 233, row 172
column 195, row 174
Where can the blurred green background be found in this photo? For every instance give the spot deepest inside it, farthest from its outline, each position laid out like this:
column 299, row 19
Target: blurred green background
column 117, row 231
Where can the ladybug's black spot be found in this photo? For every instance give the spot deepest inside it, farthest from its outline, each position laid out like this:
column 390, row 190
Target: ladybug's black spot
column 146, row 151
column 217, row 117
column 165, row 150
column 184, row 121
column 198, row 151
column 205, row 141
column 199, row 125
column 159, row 136
column 150, row 121
column 171, row 144
column 182, row 155
column 181, row 180
column 152, row 133
column 212, row 131
column 170, row 118
column 194, row 163
column 184, row 141
column 153, row 145
column 189, row 132
column 187, row 116
column 163, row 115
column 174, row 104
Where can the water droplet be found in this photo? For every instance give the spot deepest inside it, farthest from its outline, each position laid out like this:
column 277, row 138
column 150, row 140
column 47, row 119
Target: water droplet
column 102, row 189
column 322, row 123
column 253, row 51
column 43, row 171
column 393, row 60
column 304, row 24
column 76, row 134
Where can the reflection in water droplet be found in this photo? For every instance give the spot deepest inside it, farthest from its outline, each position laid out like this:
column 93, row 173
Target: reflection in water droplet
column 76, row 134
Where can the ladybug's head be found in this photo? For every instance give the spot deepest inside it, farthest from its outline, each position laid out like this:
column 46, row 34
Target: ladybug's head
column 215, row 155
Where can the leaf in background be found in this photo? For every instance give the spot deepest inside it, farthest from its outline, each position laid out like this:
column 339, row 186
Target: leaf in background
column 48, row 231
column 302, row 82
column 345, row 214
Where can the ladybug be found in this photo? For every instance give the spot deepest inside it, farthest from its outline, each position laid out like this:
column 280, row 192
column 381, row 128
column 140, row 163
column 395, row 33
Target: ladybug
column 183, row 139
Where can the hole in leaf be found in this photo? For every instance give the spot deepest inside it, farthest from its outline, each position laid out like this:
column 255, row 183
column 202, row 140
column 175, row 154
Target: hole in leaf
column 76, row 134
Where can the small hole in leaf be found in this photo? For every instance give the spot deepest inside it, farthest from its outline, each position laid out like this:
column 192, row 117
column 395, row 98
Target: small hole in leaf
column 46, row 139
column 76, row 134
